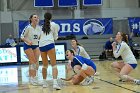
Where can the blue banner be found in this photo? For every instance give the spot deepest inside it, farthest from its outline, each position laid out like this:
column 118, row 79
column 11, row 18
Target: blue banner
column 67, row 3
column 92, row 2
column 134, row 24
column 79, row 26
column 43, row 3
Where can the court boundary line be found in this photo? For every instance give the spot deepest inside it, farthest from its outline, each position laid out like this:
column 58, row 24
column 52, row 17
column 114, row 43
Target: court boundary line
column 117, row 85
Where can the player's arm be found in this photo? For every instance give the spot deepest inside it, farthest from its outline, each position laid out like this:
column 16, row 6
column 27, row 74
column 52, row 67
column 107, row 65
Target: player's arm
column 55, row 33
column 84, row 52
column 119, row 51
column 67, row 79
column 23, row 36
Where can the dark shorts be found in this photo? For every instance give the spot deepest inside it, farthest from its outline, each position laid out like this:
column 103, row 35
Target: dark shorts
column 25, row 46
column 47, row 47
column 133, row 65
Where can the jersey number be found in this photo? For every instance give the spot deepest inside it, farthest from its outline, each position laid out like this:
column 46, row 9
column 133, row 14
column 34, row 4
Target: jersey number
column 35, row 37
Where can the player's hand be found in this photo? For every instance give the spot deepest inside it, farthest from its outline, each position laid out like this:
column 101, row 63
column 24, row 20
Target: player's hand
column 113, row 44
column 30, row 43
column 67, row 79
column 63, row 78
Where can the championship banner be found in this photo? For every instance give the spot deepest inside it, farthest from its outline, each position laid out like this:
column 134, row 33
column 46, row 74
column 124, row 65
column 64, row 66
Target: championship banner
column 68, row 3
column 98, row 26
column 92, row 2
column 43, row 3
column 134, row 24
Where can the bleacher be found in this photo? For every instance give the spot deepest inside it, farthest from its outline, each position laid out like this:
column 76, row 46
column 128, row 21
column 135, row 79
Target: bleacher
column 136, row 40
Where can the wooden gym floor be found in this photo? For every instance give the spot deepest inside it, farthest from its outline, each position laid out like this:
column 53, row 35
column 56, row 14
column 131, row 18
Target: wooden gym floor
column 14, row 79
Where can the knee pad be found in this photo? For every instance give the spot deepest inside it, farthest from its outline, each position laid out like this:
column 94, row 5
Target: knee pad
column 37, row 63
column 124, row 77
column 55, row 66
column 32, row 67
column 77, row 71
column 84, row 66
column 45, row 67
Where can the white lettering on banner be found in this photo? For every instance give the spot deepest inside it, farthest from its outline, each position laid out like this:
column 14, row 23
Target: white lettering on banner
column 135, row 26
column 76, row 27
column 66, row 27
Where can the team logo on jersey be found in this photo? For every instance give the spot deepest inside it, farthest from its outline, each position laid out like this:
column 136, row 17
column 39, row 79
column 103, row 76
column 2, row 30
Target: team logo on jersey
column 93, row 26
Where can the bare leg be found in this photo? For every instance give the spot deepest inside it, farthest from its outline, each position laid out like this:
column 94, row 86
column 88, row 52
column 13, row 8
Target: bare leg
column 32, row 60
column 37, row 54
column 52, row 56
column 117, row 66
column 45, row 64
column 126, row 70
column 44, row 68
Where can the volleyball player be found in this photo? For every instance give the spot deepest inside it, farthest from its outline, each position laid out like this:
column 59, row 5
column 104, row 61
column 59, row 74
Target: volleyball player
column 129, row 63
column 84, row 69
column 78, row 49
column 47, row 47
column 30, row 36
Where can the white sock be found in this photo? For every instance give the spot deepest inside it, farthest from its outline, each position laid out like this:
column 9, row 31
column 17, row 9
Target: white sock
column 31, row 78
column 44, row 80
column 54, row 81
column 135, row 80
column 36, row 72
column 87, row 77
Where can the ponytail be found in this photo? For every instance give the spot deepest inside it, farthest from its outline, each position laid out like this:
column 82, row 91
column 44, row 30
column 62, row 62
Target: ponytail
column 124, row 37
column 46, row 26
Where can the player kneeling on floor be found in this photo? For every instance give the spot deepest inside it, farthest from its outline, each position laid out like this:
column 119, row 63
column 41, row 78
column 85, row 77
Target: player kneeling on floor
column 83, row 68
